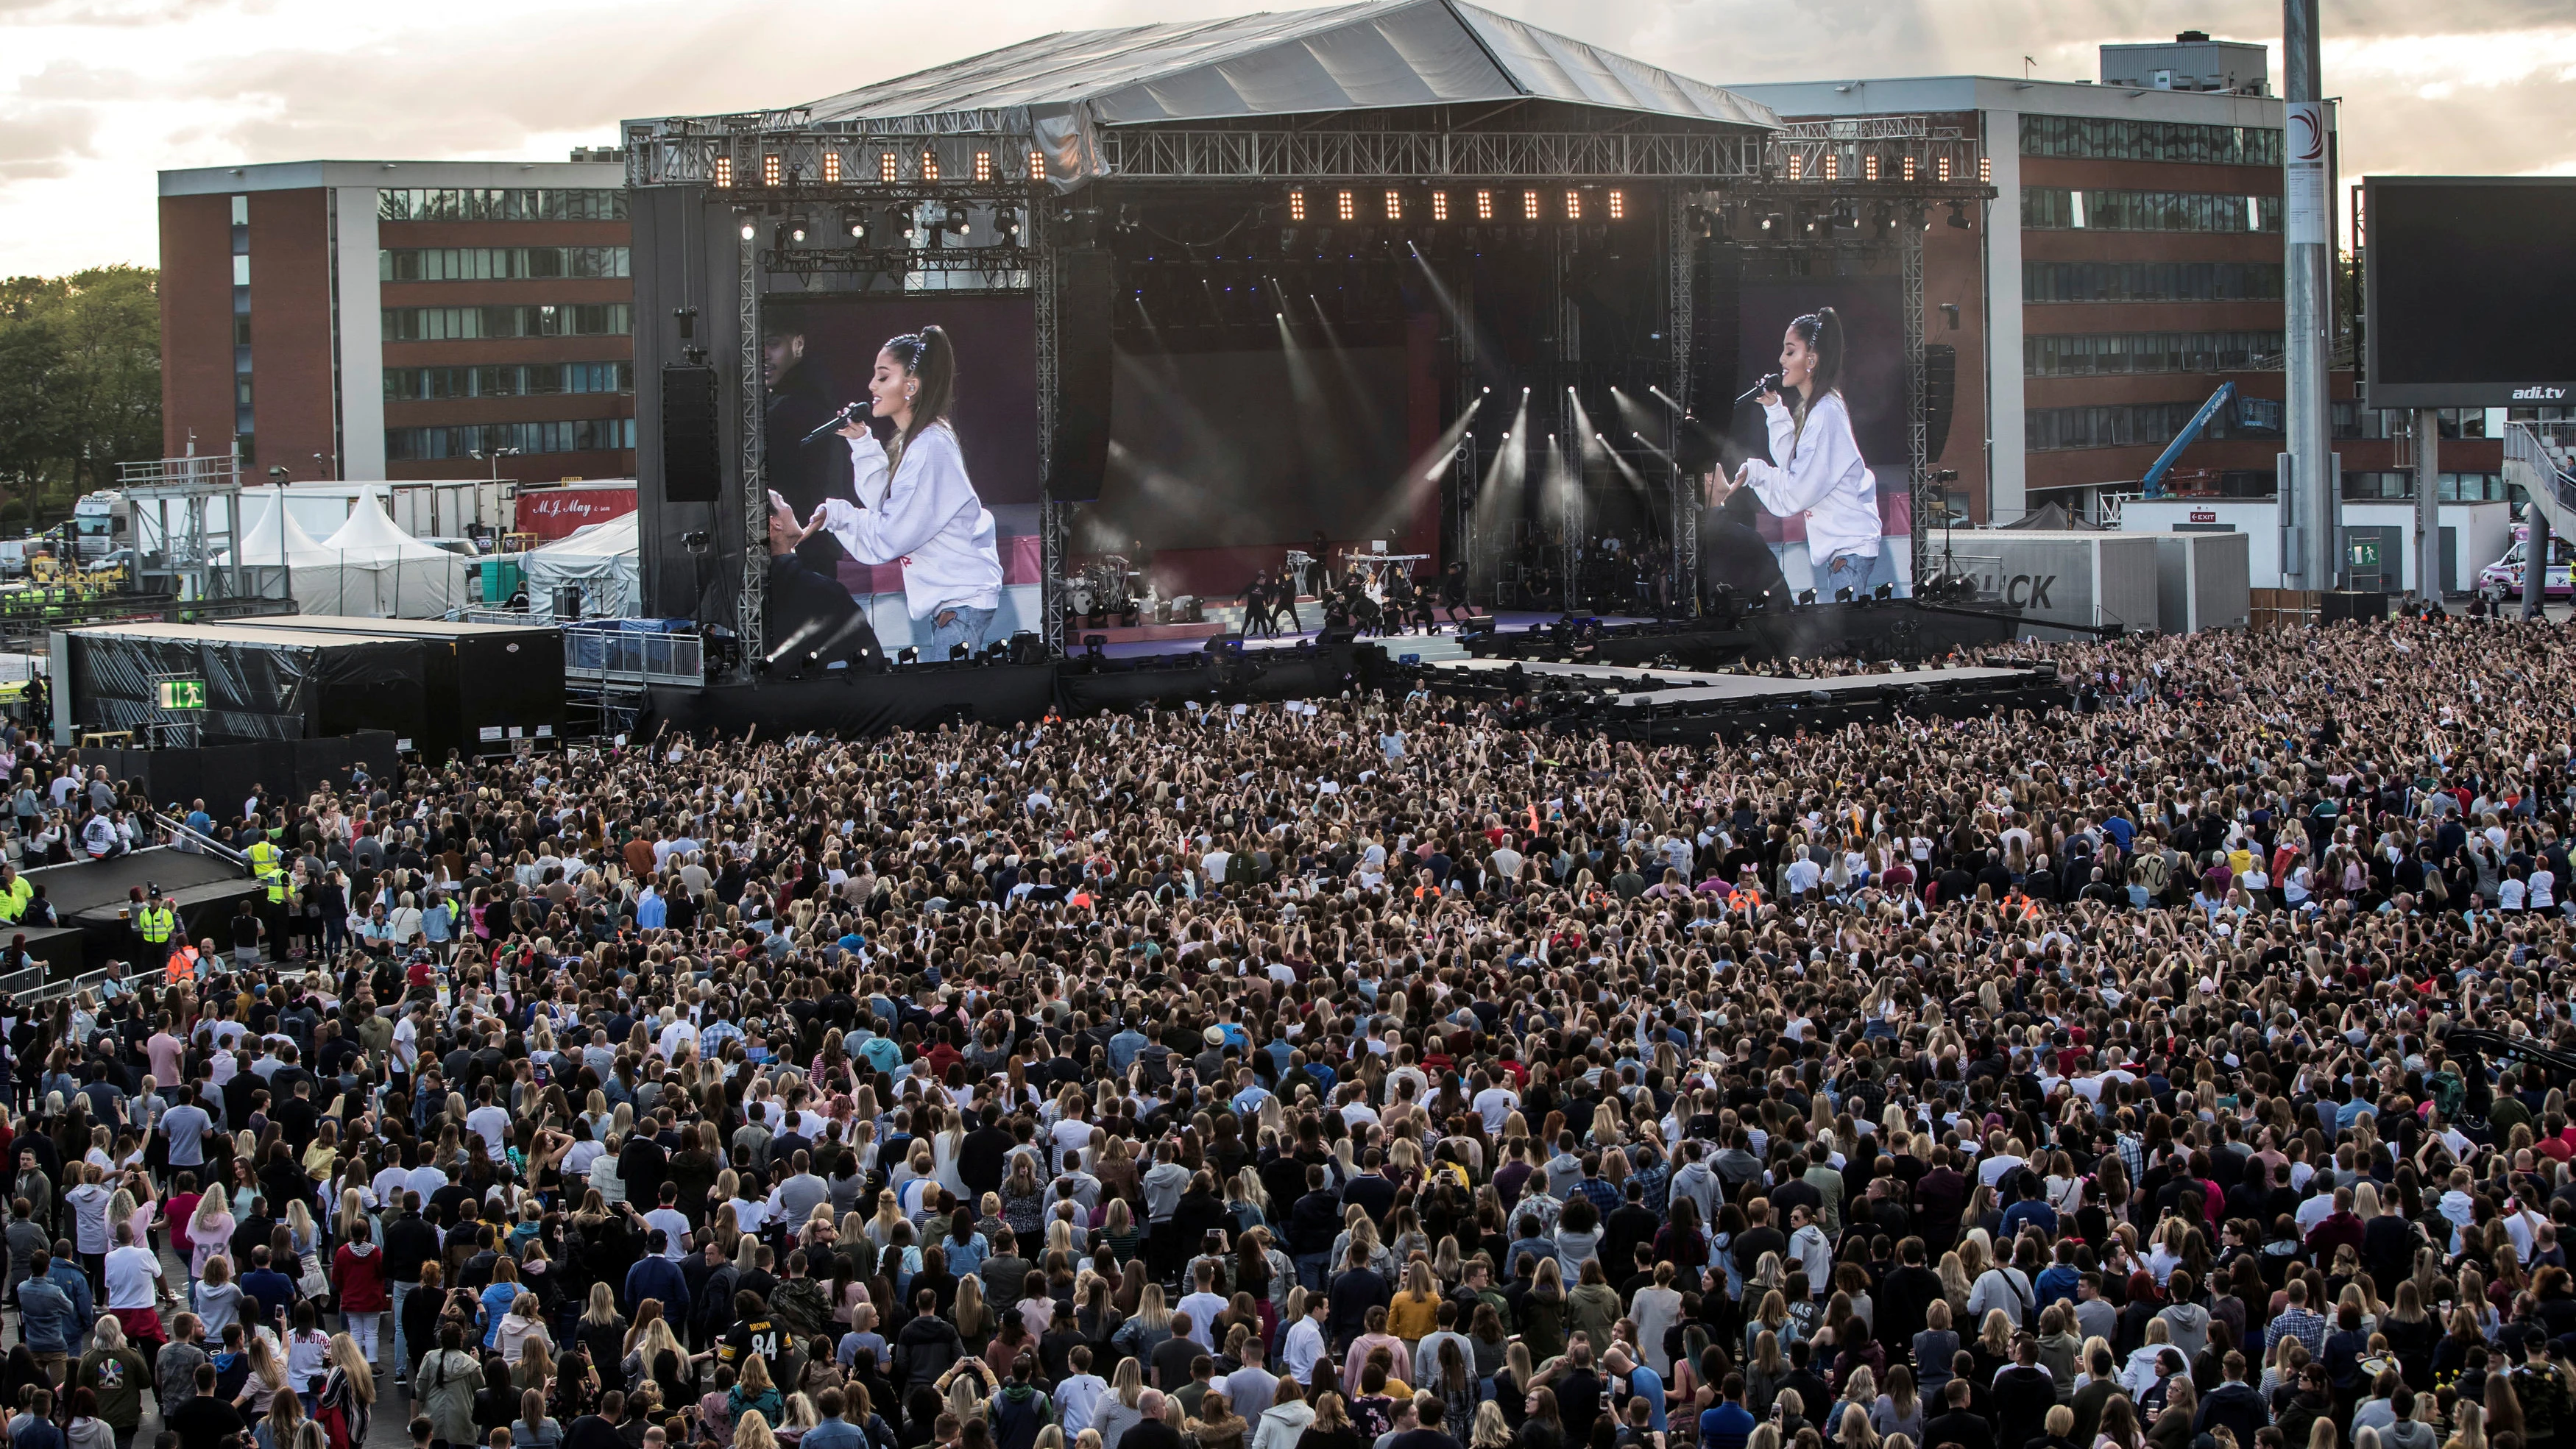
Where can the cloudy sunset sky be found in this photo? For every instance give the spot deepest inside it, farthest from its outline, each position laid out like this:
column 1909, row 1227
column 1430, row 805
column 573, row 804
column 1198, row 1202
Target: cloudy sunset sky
column 96, row 95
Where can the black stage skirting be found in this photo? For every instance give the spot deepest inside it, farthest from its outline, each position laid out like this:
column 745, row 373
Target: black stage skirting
column 927, row 696
column 918, row 697
column 222, row 775
column 1898, row 630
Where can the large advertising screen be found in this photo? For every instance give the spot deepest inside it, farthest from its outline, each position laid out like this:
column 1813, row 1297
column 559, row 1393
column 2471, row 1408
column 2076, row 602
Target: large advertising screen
column 1811, row 491
column 2468, row 285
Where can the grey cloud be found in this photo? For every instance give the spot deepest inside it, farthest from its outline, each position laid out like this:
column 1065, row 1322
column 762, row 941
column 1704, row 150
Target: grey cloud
column 43, row 141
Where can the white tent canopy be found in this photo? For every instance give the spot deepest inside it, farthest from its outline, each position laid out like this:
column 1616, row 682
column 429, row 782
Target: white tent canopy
column 261, row 547
column 383, row 572
column 604, row 559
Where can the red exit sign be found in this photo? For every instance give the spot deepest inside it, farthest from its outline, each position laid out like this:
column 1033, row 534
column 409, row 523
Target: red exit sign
column 2204, row 515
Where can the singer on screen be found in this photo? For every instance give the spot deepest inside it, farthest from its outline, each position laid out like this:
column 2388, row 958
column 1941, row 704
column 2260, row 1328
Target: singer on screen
column 916, row 504
column 1817, row 468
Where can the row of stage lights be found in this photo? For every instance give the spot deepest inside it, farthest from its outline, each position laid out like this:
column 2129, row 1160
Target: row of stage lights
column 1400, row 204
column 1908, row 168
column 1843, row 219
column 908, row 221
column 774, row 170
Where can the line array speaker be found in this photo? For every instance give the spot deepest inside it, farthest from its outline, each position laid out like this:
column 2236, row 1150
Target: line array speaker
column 690, row 470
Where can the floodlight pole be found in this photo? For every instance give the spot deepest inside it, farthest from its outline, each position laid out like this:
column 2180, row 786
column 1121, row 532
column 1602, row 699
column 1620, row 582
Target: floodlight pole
column 2312, row 502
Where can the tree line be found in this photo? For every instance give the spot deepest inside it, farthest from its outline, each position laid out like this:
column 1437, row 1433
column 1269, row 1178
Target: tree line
column 80, row 386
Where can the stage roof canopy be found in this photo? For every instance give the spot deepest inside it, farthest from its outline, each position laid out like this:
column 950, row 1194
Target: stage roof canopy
column 1374, row 55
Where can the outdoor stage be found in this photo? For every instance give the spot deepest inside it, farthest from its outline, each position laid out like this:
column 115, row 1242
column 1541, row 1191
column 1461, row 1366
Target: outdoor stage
column 1409, row 279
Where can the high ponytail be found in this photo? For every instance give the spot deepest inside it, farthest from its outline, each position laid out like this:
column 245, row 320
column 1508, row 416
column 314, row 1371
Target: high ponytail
column 932, row 361
column 1822, row 331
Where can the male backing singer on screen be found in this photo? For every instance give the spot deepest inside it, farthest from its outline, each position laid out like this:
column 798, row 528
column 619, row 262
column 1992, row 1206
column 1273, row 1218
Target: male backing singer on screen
column 917, row 505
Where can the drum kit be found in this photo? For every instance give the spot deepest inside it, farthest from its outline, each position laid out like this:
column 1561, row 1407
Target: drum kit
column 1106, row 585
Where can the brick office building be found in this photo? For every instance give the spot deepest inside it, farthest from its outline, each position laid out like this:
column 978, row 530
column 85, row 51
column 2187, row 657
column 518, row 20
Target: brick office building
column 2131, row 263
column 379, row 319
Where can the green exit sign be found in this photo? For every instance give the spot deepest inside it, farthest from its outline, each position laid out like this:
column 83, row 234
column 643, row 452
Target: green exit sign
column 183, row 694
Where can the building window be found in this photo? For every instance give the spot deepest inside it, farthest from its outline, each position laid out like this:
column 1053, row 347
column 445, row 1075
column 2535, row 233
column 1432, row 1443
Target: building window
column 503, row 204
column 492, row 264
column 2127, row 425
column 451, row 324
column 534, row 379
column 2378, row 485
column 2127, row 352
column 2057, row 208
column 580, row 435
column 2476, row 488
column 2086, row 138
column 2151, row 281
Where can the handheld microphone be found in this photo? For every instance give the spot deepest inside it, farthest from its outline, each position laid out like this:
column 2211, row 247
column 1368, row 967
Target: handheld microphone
column 1770, row 383
column 833, row 426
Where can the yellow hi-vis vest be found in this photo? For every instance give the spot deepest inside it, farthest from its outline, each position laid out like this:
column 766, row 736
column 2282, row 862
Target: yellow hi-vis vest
column 157, row 923
column 268, row 863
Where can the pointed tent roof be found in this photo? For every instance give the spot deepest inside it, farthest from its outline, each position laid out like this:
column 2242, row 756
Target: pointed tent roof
column 1379, row 53
column 370, row 535
column 620, row 535
column 260, row 544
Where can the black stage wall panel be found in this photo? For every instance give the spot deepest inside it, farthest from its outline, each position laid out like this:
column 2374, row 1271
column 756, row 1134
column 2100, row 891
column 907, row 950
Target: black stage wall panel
column 1078, row 451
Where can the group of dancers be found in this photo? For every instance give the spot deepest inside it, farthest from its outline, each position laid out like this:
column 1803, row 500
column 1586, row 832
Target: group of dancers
column 1366, row 596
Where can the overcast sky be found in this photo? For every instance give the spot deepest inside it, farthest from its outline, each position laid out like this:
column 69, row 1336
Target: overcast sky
column 97, row 95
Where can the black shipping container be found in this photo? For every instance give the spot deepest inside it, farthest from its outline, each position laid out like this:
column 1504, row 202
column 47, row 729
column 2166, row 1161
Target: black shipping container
column 489, row 684
column 261, row 683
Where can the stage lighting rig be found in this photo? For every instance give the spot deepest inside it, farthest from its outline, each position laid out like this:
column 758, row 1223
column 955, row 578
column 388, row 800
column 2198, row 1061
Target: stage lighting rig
column 956, row 219
column 796, row 231
column 1958, row 217
column 854, row 223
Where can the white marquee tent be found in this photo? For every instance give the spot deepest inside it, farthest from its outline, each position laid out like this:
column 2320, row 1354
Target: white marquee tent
column 604, row 559
column 381, row 572
column 262, row 550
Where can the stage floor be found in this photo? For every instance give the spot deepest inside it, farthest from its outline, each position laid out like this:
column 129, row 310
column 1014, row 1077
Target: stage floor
column 1678, row 686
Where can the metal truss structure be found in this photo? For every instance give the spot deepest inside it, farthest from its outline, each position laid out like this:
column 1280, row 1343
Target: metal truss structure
column 754, row 595
column 1681, row 262
column 1153, row 153
column 1052, row 523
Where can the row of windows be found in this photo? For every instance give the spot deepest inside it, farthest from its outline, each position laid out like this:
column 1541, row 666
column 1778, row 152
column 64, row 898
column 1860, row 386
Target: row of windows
column 532, row 203
column 2085, row 138
column 2124, row 425
column 2381, row 486
column 2059, row 208
column 534, row 379
column 495, row 264
column 2151, row 281
column 2122, row 352
column 450, row 324
column 581, row 435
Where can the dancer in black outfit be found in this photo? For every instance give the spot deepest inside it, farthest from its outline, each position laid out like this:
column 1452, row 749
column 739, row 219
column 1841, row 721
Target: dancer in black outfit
column 1256, row 606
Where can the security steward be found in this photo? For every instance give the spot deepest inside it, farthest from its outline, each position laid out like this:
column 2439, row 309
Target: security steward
column 158, row 926
column 268, row 862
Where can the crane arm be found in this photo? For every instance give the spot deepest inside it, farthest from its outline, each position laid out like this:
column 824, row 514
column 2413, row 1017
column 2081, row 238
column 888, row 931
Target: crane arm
column 2152, row 486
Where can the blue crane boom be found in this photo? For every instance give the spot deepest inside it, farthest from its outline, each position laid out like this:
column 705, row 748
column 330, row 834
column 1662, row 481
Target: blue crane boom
column 2152, row 486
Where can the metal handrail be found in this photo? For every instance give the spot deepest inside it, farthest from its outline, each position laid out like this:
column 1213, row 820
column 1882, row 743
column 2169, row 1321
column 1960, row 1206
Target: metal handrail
column 2522, row 444
column 209, row 844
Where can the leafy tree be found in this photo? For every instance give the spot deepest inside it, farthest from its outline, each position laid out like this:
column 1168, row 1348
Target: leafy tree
column 80, row 382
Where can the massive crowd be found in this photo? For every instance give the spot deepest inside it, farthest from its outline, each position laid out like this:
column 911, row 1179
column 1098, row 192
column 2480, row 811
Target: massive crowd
column 1372, row 1075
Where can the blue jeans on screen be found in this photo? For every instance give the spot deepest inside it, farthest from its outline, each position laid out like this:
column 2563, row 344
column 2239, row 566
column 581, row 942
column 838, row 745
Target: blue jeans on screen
column 965, row 626
column 1855, row 572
